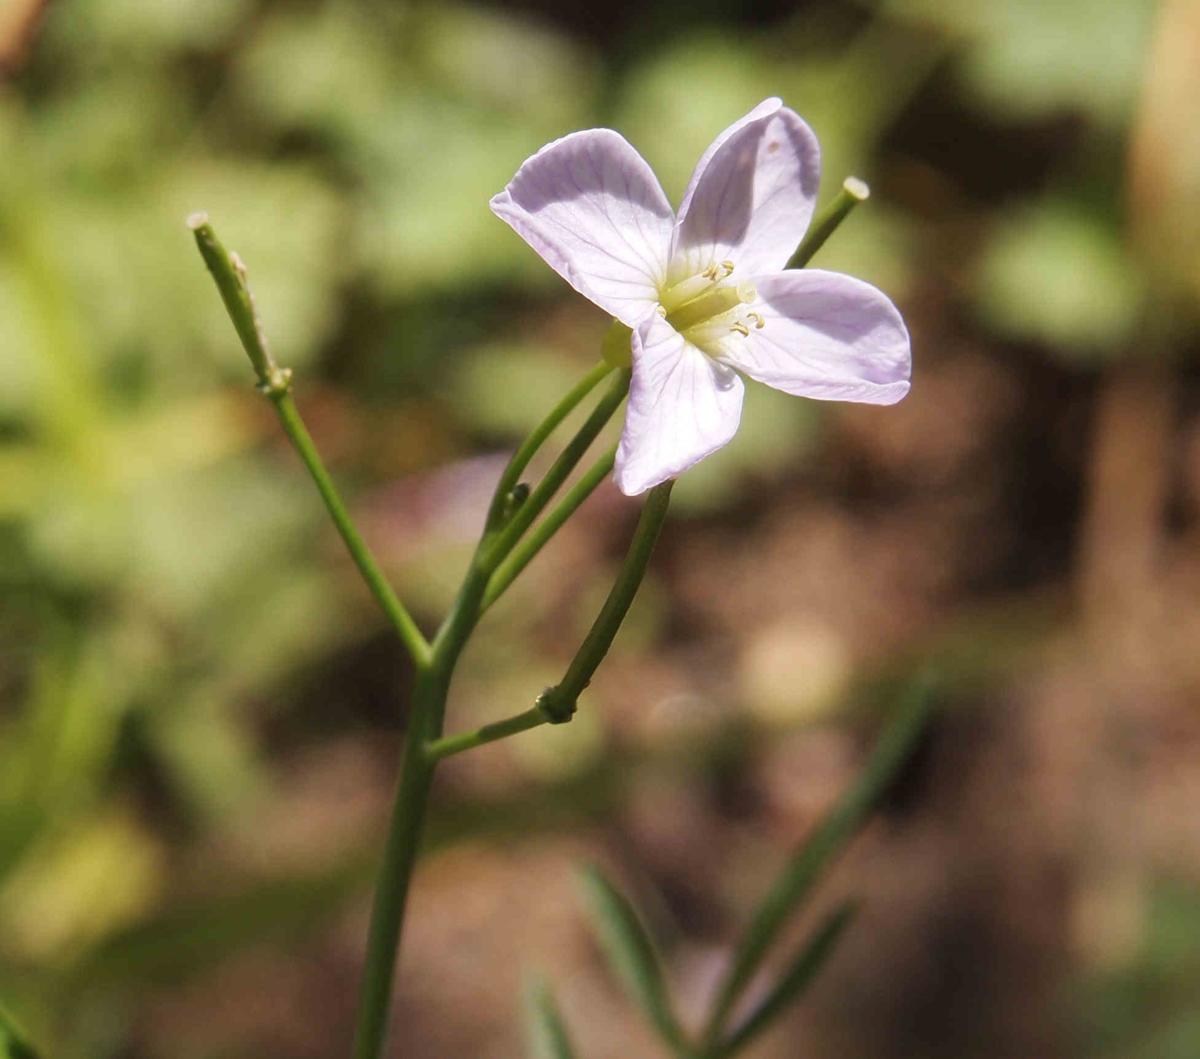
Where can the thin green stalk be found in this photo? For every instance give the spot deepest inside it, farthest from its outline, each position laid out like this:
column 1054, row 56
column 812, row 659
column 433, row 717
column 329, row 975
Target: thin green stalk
column 501, row 536
column 382, row 590
column 520, row 460
column 559, row 701
column 275, row 382
column 521, row 555
column 488, row 733
column 557, row 705
column 505, row 540
column 399, row 859
column 853, row 192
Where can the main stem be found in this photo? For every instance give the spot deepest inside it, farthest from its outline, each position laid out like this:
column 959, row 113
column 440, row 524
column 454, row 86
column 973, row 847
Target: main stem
column 399, row 858
column 408, row 816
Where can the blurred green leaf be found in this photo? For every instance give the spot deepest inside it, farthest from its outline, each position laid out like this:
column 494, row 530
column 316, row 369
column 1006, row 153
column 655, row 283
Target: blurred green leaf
column 187, row 939
column 1147, row 1008
column 1059, row 276
column 434, row 117
column 835, row 829
column 544, row 1024
column 797, row 974
column 109, row 30
column 631, row 954
column 467, row 51
column 78, row 886
column 532, row 378
column 350, row 74
column 1028, row 59
column 13, row 1044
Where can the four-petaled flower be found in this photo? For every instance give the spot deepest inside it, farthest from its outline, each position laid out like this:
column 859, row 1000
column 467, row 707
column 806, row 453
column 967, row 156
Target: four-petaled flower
column 705, row 292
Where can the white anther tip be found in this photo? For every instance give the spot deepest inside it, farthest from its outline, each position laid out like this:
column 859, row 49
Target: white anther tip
column 856, row 188
column 197, row 220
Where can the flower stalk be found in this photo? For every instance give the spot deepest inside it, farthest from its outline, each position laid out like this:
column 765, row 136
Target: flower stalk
column 559, row 701
column 495, row 548
column 537, row 437
column 533, row 542
column 488, row 733
column 853, row 193
column 275, row 383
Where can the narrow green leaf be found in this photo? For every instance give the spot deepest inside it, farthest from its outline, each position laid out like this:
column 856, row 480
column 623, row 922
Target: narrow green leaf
column 831, row 835
column 544, row 1024
column 13, row 1044
column 797, row 974
column 632, row 955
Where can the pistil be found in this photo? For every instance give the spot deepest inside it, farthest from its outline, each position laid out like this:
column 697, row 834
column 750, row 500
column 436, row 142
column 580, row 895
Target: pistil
column 688, row 290
column 709, row 307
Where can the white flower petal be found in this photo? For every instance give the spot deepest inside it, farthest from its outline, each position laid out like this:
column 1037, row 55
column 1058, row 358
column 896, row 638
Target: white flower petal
column 752, row 194
column 593, row 208
column 683, row 406
column 824, row 335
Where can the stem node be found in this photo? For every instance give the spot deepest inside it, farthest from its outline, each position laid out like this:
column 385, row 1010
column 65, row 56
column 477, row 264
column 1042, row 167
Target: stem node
column 557, row 708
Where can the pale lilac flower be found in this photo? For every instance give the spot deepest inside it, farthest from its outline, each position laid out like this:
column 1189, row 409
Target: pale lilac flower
column 705, row 291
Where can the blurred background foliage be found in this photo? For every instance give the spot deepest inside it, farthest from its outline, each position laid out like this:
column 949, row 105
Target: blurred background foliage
column 200, row 709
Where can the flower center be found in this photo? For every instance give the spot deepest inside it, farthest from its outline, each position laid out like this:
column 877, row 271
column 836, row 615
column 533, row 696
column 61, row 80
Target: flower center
column 706, row 309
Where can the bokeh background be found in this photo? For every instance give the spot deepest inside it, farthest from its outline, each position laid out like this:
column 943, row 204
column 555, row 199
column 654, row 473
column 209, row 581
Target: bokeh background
column 200, row 708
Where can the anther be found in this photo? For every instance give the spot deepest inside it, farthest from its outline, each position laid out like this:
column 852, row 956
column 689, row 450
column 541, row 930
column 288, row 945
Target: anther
column 741, row 329
column 727, row 267
column 759, row 322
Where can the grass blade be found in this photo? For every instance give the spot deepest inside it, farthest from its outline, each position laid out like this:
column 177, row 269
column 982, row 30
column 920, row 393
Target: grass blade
column 828, row 839
column 13, row 1044
column 632, row 955
column 798, row 973
column 544, row 1024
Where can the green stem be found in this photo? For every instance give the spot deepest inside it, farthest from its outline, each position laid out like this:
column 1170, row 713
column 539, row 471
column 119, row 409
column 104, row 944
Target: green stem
column 396, row 613
column 852, row 193
column 521, row 458
column 229, row 275
column 488, row 733
column 559, row 701
column 523, row 553
column 492, row 554
column 557, row 705
column 399, row 859
column 408, row 815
